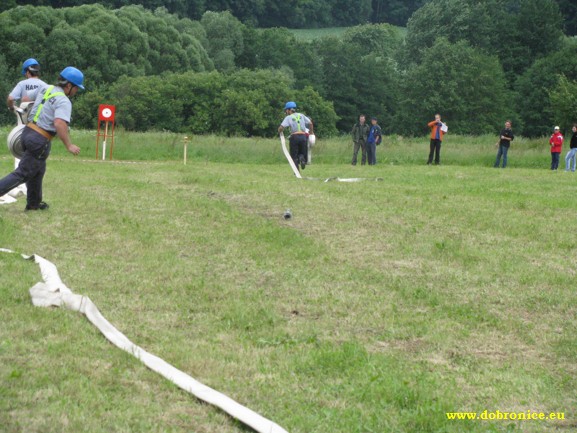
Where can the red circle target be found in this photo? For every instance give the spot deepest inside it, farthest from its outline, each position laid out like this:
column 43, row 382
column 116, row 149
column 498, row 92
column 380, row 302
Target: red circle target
column 106, row 112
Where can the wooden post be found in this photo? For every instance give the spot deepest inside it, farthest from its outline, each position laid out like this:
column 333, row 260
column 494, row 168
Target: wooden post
column 185, row 148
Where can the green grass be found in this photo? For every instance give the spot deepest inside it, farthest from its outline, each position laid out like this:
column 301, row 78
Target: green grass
column 313, row 34
column 379, row 307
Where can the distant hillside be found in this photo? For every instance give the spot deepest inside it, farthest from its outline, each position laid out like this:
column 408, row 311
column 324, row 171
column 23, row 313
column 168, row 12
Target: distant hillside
column 312, row 34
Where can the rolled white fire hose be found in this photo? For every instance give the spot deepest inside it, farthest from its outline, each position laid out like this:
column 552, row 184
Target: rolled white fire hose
column 53, row 292
column 14, row 141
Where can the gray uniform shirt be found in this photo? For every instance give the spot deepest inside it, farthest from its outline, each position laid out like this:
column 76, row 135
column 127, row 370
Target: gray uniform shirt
column 297, row 122
column 57, row 107
column 27, row 87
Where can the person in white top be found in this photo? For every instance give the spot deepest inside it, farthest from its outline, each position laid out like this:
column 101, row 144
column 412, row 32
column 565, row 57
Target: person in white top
column 32, row 82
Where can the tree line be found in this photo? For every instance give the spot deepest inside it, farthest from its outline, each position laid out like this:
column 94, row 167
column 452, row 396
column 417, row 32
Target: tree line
column 266, row 13
column 475, row 62
column 296, row 14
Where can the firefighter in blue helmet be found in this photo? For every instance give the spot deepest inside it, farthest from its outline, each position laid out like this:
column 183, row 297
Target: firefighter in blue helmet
column 49, row 117
column 28, row 86
column 300, row 126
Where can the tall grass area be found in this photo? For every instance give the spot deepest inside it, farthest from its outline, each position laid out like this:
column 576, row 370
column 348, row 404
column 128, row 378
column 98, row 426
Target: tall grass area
column 395, row 150
column 379, row 307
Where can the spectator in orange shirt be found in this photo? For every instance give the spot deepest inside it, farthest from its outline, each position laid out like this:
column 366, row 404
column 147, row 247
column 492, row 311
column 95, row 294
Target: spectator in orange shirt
column 438, row 129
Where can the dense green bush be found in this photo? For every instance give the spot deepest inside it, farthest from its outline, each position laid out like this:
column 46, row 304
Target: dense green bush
column 564, row 102
column 104, row 44
column 358, row 81
column 6, row 116
column 243, row 103
column 517, row 31
column 278, row 48
column 462, row 83
column 534, row 87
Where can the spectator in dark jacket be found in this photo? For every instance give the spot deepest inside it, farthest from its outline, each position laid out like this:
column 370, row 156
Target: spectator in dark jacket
column 360, row 133
column 505, row 139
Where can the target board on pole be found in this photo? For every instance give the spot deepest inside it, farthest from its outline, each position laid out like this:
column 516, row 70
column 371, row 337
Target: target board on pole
column 106, row 113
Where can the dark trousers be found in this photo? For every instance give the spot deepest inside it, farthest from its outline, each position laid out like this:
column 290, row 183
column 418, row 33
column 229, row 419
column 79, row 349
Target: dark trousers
column 555, row 160
column 435, row 148
column 363, row 146
column 31, row 168
column 372, row 153
column 503, row 150
column 298, row 148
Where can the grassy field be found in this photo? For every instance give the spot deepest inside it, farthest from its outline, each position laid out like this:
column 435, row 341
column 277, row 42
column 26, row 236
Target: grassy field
column 312, row 34
column 379, row 307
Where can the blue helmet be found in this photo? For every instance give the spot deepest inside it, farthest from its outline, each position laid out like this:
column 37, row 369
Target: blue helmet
column 73, row 75
column 290, row 105
column 31, row 64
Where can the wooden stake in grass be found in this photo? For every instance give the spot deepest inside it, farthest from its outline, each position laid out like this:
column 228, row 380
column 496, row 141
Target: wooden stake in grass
column 185, row 148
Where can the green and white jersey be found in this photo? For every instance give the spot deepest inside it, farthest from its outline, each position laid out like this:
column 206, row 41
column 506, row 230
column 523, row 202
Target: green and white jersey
column 297, row 122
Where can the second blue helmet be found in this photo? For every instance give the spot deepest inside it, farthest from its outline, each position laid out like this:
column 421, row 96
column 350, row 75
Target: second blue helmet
column 30, row 64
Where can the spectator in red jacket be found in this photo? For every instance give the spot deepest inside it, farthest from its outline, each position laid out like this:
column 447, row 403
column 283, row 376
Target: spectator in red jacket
column 556, row 143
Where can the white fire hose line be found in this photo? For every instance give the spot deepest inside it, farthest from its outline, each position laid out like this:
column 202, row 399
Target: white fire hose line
column 298, row 174
column 52, row 292
column 12, row 195
column 7, row 199
column 288, row 157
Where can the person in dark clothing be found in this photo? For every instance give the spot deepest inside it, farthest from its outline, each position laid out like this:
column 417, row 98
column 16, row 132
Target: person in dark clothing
column 360, row 133
column 570, row 159
column 505, row 139
column 373, row 140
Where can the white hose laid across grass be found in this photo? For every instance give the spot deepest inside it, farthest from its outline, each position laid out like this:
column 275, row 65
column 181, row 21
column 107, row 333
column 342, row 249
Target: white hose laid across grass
column 288, row 157
column 11, row 196
column 298, row 174
column 52, row 292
